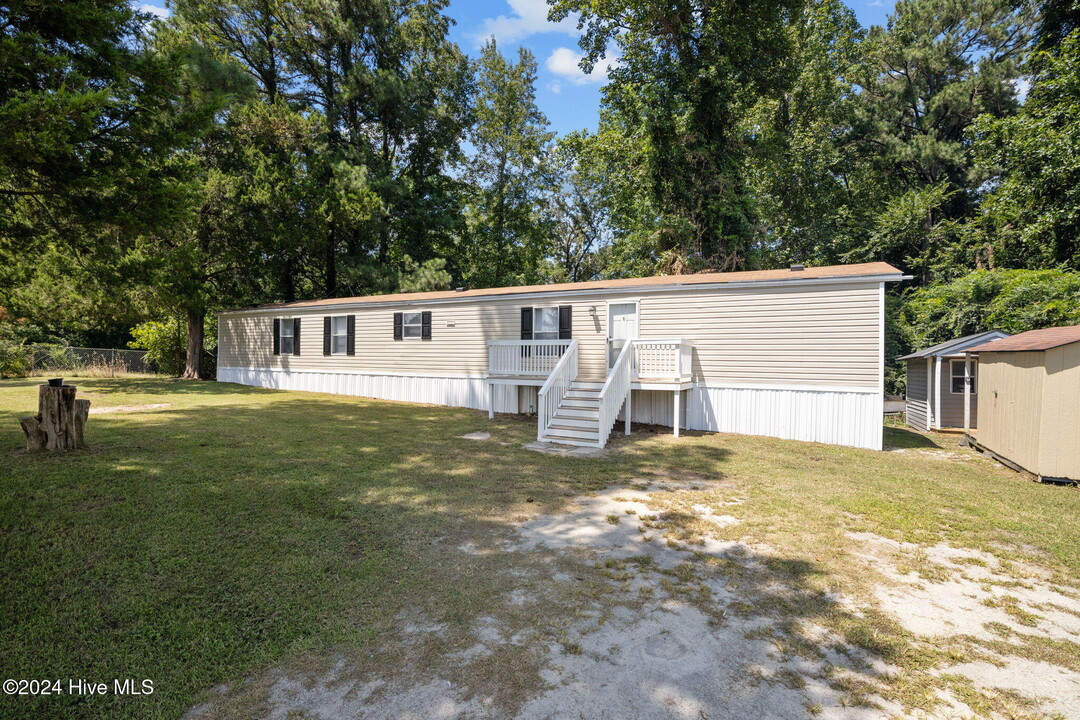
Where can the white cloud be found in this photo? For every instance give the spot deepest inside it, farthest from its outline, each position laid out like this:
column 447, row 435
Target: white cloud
column 876, row 3
column 564, row 62
column 154, row 10
column 529, row 17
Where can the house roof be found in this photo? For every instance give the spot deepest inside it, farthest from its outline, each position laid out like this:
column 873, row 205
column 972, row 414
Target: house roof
column 953, row 347
column 1033, row 340
column 875, row 269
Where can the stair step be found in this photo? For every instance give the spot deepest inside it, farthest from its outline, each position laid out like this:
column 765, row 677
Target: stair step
column 578, row 392
column 562, row 421
column 567, row 441
column 571, row 432
column 591, row 403
column 576, row 412
column 586, row 385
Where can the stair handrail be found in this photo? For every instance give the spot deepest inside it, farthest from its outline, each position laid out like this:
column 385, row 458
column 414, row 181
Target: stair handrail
column 555, row 387
column 613, row 394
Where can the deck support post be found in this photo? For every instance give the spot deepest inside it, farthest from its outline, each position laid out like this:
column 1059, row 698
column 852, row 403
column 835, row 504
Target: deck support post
column 626, row 430
column 491, row 401
column 678, row 407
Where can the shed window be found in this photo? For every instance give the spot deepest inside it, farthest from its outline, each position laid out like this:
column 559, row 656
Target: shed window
column 546, row 323
column 956, row 368
column 287, row 338
column 412, row 325
column 340, row 337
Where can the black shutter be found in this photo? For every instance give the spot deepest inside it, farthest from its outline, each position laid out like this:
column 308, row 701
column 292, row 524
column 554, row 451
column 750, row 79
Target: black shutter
column 566, row 322
column 526, row 323
column 425, row 325
column 277, row 336
column 327, row 334
column 296, row 336
column 397, row 326
column 350, row 344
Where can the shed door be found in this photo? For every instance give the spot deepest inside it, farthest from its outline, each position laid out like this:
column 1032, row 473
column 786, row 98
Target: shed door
column 622, row 326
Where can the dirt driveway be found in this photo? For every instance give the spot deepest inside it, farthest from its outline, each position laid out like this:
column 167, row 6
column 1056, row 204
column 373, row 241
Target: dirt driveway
column 628, row 606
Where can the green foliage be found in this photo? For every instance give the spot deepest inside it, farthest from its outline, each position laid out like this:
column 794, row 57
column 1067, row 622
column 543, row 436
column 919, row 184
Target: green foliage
column 686, row 71
column 803, row 162
column 14, row 361
column 1033, row 215
column 507, row 216
column 1011, row 300
column 166, row 343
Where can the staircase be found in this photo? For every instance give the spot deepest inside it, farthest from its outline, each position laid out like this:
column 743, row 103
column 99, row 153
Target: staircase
column 577, row 418
column 580, row 412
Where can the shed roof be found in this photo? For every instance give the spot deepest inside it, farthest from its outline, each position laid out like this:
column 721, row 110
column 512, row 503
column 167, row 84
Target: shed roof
column 1033, row 340
column 959, row 345
column 874, row 269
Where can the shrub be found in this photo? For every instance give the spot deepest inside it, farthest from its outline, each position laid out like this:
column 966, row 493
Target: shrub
column 165, row 342
column 15, row 361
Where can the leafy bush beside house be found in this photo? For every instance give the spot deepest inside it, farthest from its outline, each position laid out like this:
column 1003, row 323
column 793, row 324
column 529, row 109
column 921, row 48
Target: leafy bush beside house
column 166, row 343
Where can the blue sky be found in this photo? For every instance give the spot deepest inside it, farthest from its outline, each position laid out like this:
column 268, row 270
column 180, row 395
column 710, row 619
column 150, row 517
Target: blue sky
column 569, row 98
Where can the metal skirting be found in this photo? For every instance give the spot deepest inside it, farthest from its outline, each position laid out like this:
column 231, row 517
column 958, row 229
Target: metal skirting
column 469, row 392
column 834, row 416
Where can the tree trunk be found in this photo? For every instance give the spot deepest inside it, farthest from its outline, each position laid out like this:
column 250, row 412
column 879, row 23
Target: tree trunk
column 60, row 420
column 193, row 363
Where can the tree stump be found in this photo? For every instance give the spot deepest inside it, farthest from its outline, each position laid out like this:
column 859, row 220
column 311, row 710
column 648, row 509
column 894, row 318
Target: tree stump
column 60, row 420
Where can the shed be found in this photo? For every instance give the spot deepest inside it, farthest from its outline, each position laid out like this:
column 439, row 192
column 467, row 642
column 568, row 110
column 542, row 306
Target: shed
column 1029, row 416
column 935, row 382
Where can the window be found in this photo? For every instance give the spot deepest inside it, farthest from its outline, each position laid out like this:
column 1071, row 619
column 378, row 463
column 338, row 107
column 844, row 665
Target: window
column 956, row 368
column 340, row 336
column 546, row 323
column 287, row 339
column 412, row 325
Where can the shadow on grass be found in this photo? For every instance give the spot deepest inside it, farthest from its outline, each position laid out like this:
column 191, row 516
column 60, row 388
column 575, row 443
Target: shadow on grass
column 905, row 438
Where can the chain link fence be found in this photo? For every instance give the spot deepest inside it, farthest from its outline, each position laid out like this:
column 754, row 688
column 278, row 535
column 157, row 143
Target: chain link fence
column 22, row 360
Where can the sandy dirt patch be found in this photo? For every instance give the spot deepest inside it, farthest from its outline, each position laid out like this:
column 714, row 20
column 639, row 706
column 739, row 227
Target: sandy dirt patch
column 613, row 615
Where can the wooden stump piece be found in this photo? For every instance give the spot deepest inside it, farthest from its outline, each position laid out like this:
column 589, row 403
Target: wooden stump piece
column 35, row 438
column 60, row 420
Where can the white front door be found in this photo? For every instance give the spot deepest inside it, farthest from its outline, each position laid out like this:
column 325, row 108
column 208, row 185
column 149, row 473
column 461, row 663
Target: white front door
column 622, row 326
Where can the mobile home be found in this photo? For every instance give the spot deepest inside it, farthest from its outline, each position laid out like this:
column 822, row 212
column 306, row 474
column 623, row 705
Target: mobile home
column 794, row 353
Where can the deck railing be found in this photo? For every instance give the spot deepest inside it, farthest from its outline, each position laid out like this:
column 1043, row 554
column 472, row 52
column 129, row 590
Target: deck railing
column 552, row 391
column 525, row 357
column 614, row 393
column 662, row 359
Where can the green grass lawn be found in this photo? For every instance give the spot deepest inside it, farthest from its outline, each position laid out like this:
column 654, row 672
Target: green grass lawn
column 239, row 528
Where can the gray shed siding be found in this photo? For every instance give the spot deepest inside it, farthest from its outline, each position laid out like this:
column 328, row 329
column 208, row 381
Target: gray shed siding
column 916, row 394
column 952, row 404
column 920, row 399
